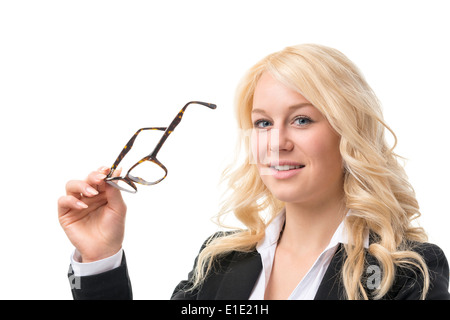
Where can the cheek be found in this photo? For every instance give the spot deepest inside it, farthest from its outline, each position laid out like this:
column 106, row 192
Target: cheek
column 323, row 150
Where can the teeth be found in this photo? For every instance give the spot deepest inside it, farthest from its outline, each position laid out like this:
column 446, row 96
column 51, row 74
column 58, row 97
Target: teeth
column 287, row 167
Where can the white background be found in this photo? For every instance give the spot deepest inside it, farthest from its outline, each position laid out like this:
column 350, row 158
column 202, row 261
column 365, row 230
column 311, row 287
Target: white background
column 77, row 78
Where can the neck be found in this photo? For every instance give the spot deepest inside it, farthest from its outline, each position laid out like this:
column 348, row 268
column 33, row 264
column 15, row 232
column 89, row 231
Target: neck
column 309, row 227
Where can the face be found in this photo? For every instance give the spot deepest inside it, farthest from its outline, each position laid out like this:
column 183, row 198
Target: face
column 294, row 147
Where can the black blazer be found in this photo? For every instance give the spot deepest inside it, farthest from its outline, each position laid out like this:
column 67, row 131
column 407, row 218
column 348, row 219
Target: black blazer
column 235, row 276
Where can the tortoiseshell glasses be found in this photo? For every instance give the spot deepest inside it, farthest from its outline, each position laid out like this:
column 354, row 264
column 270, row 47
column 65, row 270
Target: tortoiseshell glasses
column 151, row 170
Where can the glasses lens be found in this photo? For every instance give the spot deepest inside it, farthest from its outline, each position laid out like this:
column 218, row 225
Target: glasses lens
column 121, row 185
column 147, row 172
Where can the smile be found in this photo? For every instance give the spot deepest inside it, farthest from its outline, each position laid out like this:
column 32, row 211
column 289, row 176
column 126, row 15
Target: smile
column 287, row 167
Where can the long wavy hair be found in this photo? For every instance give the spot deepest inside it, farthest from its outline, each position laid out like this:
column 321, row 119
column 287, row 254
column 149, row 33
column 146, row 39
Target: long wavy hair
column 376, row 188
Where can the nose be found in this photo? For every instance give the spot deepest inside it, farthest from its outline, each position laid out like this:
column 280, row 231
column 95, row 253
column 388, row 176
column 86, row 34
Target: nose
column 279, row 140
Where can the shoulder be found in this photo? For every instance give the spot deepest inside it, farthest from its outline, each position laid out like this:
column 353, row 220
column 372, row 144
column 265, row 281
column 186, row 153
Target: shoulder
column 218, row 235
column 434, row 258
column 438, row 269
column 231, row 265
column 409, row 281
column 227, row 255
column 429, row 251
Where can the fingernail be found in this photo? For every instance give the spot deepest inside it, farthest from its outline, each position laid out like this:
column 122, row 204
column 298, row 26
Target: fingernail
column 103, row 169
column 82, row 205
column 91, row 190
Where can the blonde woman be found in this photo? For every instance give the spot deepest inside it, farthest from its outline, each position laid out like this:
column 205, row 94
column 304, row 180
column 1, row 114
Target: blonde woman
column 328, row 209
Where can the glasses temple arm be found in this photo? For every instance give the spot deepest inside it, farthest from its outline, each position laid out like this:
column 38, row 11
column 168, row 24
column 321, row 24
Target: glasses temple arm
column 175, row 123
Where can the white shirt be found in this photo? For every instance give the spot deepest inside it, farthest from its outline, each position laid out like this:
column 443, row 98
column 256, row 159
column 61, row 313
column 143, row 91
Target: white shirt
column 81, row 269
column 306, row 288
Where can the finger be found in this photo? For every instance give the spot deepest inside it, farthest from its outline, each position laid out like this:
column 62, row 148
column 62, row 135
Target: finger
column 104, row 170
column 114, row 195
column 115, row 200
column 113, row 191
column 97, row 178
column 117, row 173
column 78, row 188
column 67, row 203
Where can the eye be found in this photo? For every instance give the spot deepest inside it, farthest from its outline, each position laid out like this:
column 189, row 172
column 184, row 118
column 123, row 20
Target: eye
column 302, row 121
column 262, row 124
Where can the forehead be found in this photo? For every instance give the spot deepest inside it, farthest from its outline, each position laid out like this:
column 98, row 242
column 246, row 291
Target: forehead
column 271, row 95
column 270, row 92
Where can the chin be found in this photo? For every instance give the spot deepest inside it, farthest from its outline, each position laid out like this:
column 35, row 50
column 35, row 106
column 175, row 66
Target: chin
column 288, row 195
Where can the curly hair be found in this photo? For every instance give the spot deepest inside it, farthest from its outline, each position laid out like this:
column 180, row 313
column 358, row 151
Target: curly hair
column 376, row 188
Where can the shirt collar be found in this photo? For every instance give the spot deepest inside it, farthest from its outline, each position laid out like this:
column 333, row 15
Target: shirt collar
column 274, row 228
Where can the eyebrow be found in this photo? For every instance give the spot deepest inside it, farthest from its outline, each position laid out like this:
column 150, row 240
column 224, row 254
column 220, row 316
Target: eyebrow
column 294, row 107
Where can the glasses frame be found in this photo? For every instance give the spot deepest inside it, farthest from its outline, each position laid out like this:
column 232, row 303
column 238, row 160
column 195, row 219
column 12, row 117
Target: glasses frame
column 129, row 178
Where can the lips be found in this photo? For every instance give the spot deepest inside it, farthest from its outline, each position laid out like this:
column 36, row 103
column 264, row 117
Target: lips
column 286, row 165
column 285, row 169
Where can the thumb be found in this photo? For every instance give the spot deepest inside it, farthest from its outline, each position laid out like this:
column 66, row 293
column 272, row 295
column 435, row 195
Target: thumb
column 114, row 196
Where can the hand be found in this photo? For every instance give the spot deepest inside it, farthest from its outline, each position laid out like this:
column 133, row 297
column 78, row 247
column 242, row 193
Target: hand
column 92, row 214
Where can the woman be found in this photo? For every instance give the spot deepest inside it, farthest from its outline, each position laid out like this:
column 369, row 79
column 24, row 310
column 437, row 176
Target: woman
column 327, row 208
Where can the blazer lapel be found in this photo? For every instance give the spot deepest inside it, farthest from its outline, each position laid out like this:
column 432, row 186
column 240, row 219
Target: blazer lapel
column 331, row 287
column 244, row 269
column 237, row 280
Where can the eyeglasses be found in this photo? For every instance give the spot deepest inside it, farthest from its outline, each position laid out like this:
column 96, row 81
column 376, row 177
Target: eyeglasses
column 148, row 170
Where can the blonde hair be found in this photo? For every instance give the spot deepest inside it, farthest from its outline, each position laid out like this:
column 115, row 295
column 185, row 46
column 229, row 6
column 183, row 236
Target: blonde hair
column 376, row 188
